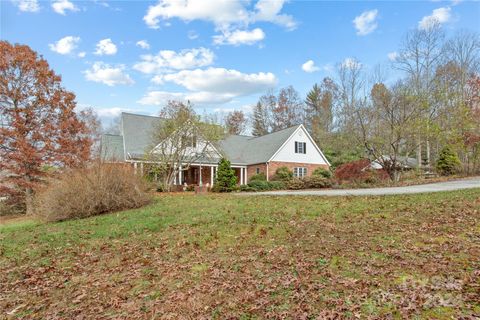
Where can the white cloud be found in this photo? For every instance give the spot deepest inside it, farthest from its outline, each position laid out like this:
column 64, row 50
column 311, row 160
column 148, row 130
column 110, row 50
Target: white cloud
column 239, row 37
column 111, row 112
column 109, row 75
column 269, row 10
column 351, row 63
column 65, row 45
column 220, row 80
column 143, row 44
column 82, row 54
column 27, row 5
column 106, row 47
column 167, row 60
column 222, row 13
column 366, row 22
column 392, row 56
column 440, row 15
column 158, row 98
column 211, row 86
column 310, row 66
column 61, row 6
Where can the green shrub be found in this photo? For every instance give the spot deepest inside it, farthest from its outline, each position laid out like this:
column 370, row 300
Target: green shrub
column 283, row 174
column 247, row 188
column 448, row 162
column 321, row 172
column 261, row 185
column 226, row 180
column 317, row 182
column 295, row 184
column 258, row 177
column 276, row 185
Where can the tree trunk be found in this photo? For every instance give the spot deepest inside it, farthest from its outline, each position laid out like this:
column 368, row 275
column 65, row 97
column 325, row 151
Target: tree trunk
column 29, row 201
column 419, row 155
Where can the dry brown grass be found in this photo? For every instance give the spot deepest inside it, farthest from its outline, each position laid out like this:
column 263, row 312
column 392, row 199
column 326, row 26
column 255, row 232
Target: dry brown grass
column 98, row 189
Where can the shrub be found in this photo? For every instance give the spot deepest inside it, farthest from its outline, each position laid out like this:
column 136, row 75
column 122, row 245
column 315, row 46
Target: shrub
column 226, row 180
column 81, row 193
column 295, row 184
column 277, row 185
column 448, row 162
column 247, row 188
column 359, row 172
column 261, row 185
column 283, row 174
column 321, row 172
column 258, row 177
column 317, row 182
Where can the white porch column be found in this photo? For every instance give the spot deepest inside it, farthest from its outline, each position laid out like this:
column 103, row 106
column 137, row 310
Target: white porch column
column 211, row 176
column 200, row 178
column 135, row 167
column 241, row 176
column 141, row 168
column 180, row 175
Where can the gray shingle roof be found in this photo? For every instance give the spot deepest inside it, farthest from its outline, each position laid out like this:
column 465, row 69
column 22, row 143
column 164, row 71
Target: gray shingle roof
column 136, row 138
column 112, row 148
column 251, row 150
column 137, row 133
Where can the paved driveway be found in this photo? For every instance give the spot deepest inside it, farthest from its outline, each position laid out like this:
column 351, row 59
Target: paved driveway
column 431, row 187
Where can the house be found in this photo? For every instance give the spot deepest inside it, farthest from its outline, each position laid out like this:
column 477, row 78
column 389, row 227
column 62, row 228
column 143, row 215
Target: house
column 292, row 147
column 403, row 163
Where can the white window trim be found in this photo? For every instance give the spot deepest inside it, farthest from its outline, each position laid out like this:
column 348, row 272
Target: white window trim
column 299, row 172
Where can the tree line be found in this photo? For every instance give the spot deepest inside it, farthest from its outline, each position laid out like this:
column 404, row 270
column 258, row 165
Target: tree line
column 434, row 102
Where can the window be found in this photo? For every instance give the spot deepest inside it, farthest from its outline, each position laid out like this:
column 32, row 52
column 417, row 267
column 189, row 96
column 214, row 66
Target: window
column 189, row 141
column 299, row 172
column 300, row 147
column 258, row 170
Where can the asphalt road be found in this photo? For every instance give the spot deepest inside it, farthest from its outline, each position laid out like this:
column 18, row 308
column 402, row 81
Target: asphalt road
column 423, row 188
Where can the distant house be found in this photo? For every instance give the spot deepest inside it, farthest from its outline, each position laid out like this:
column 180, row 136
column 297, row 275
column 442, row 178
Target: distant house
column 292, row 147
column 403, row 163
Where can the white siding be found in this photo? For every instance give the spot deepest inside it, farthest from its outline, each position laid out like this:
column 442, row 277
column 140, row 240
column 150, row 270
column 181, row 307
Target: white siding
column 287, row 152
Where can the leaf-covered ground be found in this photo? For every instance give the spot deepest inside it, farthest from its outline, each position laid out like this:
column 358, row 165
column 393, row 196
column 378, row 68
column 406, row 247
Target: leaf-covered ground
column 221, row 256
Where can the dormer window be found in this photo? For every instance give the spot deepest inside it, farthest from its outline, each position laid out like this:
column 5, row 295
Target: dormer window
column 189, row 141
column 300, row 147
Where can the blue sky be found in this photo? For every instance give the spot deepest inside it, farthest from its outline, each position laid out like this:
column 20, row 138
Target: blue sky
column 135, row 55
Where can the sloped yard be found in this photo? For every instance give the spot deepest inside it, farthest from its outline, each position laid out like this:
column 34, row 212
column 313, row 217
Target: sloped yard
column 221, row 256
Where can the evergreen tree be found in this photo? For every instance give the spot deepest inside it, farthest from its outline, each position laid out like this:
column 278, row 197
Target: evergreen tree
column 448, row 162
column 226, row 180
column 259, row 120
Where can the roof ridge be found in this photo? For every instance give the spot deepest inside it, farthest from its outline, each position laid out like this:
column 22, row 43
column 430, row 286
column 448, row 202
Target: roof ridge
column 141, row 115
column 112, row 135
column 294, row 126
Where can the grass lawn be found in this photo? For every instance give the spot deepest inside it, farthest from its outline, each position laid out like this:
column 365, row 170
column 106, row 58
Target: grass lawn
column 223, row 256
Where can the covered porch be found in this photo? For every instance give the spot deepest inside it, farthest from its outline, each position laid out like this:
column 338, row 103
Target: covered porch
column 203, row 174
column 195, row 174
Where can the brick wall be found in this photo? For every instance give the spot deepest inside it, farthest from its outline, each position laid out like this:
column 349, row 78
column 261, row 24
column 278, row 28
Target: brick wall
column 252, row 170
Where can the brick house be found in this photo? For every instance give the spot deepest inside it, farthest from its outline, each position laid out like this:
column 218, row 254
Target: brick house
column 292, row 147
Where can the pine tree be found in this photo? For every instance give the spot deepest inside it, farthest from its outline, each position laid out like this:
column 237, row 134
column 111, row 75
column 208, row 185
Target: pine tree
column 259, row 120
column 448, row 162
column 226, row 180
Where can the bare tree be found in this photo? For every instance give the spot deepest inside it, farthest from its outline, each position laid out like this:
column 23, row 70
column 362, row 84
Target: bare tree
column 387, row 124
column 235, row 122
column 179, row 140
column 351, row 82
column 419, row 55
